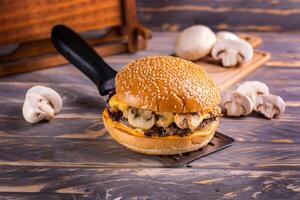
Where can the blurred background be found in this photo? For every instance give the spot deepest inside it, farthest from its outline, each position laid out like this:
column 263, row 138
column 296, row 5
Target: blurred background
column 236, row 15
column 126, row 25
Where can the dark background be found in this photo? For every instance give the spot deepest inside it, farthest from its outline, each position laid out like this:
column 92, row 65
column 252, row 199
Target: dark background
column 237, row 15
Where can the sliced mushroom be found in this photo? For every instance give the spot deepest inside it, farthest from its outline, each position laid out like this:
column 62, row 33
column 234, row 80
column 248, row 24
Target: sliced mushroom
column 195, row 42
column 237, row 104
column 270, row 105
column 181, row 121
column 37, row 108
column 253, row 89
column 139, row 118
column 226, row 35
column 191, row 121
column 164, row 119
column 194, row 120
column 41, row 103
column 232, row 52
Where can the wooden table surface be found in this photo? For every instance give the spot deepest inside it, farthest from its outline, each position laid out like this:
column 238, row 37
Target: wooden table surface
column 73, row 157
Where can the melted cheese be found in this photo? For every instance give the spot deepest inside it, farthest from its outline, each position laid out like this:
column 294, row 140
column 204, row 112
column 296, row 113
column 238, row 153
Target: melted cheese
column 139, row 132
column 206, row 116
column 114, row 102
column 164, row 119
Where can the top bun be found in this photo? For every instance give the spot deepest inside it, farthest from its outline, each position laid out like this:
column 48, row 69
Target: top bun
column 166, row 84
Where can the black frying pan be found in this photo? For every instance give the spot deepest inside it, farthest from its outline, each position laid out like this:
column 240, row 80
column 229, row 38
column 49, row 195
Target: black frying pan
column 82, row 55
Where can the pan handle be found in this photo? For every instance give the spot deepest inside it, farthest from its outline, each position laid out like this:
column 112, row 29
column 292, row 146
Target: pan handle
column 82, row 55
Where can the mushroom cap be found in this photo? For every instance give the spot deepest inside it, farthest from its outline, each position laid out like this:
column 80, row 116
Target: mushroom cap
column 232, row 52
column 51, row 95
column 236, row 104
column 226, row 35
column 195, row 42
column 258, row 87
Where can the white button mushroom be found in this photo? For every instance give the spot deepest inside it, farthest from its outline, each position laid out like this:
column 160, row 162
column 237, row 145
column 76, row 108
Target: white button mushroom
column 248, row 91
column 226, row 35
column 236, row 104
column 195, row 42
column 232, row 52
column 255, row 93
column 51, row 95
column 36, row 108
column 191, row 121
column 270, row 105
column 253, row 89
column 139, row 118
column 41, row 103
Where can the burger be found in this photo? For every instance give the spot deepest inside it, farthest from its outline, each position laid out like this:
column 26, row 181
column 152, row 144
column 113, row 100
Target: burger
column 163, row 105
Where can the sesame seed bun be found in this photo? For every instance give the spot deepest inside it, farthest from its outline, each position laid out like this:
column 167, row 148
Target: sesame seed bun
column 166, row 84
column 136, row 141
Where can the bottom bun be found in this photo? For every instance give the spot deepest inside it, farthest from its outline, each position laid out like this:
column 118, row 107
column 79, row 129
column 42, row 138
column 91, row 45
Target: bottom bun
column 135, row 140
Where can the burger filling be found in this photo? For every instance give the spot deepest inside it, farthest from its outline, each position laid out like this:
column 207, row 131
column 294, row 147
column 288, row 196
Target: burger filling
column 160, row 123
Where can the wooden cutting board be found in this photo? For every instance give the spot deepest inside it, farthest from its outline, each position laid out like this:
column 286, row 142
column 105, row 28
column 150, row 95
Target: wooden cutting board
column 225, row 77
